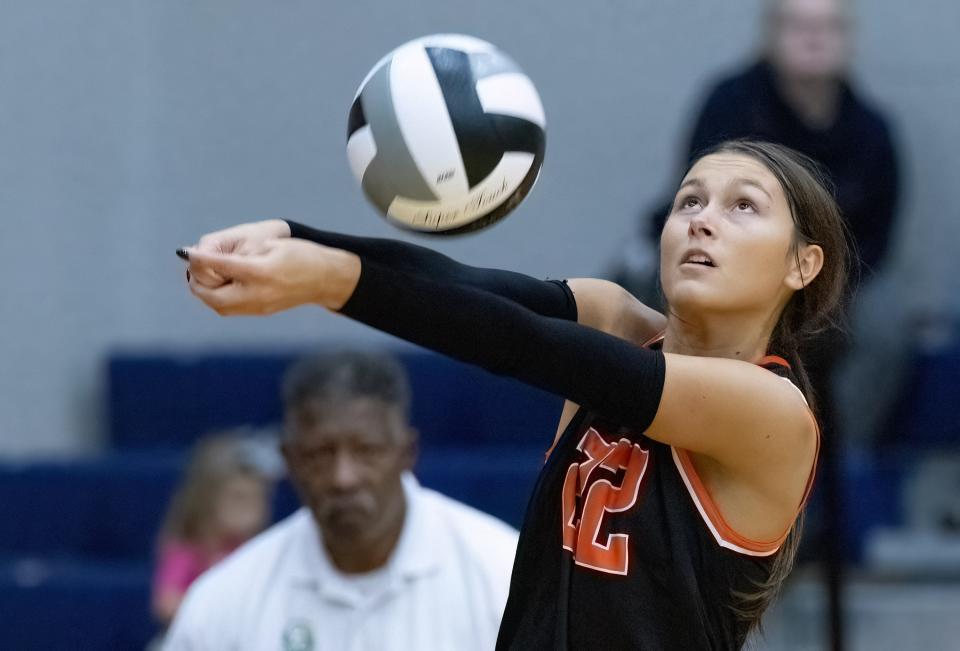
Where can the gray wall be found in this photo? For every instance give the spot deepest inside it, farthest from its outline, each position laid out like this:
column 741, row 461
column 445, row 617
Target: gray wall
column 128, row 128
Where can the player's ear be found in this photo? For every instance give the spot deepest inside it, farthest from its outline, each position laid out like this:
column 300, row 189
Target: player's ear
column 805, row 266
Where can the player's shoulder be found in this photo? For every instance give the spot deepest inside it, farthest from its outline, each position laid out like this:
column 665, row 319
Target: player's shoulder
column 486, row 538
column 795, row 411
column 782, row 375
column 782, row 370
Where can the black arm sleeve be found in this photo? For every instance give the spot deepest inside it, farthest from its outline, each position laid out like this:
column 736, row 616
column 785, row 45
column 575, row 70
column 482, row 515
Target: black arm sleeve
column 602, row 373
column 551, row 298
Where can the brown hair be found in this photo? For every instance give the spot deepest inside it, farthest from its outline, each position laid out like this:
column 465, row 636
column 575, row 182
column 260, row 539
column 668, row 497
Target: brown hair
column 818, row 307
column 216, row 459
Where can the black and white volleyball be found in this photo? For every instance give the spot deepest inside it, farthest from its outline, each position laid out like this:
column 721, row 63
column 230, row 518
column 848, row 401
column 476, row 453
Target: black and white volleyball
column 446, row 135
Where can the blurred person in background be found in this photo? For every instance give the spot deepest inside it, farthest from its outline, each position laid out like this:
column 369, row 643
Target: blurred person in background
column 222, row 502
column 799, row 93
column 372, row 560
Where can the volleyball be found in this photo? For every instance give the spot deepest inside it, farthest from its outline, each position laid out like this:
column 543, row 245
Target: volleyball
column 446, row 135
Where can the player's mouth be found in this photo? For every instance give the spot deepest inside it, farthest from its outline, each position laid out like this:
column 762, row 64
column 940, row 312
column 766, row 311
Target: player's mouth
column 697, row 257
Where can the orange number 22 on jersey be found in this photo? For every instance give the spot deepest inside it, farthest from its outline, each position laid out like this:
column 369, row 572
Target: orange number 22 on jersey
column 591, row 547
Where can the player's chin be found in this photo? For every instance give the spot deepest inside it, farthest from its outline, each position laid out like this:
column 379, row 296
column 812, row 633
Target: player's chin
column 690, row 292
column 694, row 299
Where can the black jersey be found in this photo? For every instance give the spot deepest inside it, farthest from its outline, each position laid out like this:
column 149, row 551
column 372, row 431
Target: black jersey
column 622, row 548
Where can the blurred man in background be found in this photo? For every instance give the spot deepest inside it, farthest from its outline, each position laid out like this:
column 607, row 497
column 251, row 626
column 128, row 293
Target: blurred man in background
column 373, row 560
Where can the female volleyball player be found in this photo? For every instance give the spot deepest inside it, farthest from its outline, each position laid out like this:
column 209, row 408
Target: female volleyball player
column 666, row 514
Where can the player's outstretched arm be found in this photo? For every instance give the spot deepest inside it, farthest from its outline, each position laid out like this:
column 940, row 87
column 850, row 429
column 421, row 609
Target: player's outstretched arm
column 723, row 408
column 709, row 404
column 547, row 297
column 599, row 304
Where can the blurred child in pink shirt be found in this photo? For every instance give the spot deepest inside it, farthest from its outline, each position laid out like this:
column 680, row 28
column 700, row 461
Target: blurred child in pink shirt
column 222, row 502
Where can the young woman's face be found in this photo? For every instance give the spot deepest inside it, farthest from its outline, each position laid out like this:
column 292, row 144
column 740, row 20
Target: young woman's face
column 241, row 508
column 727, row 246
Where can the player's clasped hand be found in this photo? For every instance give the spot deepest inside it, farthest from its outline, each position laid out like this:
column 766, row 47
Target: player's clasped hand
column 272, row 276
column 242, row 239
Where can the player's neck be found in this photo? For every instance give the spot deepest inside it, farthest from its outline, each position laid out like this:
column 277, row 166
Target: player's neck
column 730, row 336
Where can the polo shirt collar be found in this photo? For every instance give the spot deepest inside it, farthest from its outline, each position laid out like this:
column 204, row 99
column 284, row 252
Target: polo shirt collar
column 420, row 549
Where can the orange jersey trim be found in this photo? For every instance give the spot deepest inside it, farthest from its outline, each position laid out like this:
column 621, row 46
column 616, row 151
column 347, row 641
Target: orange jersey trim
column 725, row 535
column 773, row 359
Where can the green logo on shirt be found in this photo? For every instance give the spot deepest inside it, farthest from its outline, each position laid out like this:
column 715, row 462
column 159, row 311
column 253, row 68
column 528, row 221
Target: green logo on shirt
column 297, row 637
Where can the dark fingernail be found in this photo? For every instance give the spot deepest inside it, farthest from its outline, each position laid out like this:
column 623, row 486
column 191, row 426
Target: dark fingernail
column 182, row 253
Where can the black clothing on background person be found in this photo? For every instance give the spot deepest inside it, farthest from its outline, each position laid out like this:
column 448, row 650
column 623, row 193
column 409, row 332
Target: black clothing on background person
column 857, row 150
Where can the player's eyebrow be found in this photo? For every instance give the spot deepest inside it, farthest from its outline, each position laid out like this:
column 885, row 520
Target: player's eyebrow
column 754, row 184
column 698, row 183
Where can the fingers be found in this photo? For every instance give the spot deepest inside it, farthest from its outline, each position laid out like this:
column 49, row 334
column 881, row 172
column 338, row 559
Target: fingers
column 216, row 243
column 243, row 283
column 208, row 277
column 213, row 269
column 231, row 299
column 219, row 242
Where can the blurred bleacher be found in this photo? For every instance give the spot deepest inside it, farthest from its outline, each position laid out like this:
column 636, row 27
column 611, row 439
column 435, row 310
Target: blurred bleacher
column 77, row 538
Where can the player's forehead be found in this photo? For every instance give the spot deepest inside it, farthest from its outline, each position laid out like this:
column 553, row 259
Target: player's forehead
column 723, row 170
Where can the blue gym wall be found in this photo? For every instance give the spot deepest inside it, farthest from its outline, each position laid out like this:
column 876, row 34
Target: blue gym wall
column 128, row 128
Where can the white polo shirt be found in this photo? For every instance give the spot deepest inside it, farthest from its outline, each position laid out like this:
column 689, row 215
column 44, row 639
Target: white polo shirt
column 445, row 587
